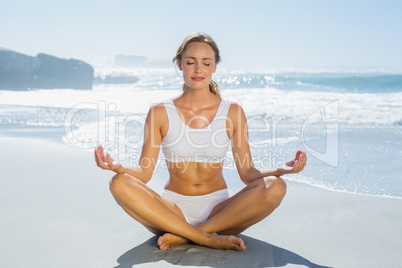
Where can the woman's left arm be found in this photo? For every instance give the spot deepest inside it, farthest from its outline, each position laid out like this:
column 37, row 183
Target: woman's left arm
column 242, row 155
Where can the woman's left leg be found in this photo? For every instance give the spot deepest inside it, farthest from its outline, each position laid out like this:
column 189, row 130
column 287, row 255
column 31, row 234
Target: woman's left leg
column 252, row 204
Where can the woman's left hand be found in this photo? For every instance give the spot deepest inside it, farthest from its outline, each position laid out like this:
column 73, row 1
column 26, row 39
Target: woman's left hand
column 294, row 166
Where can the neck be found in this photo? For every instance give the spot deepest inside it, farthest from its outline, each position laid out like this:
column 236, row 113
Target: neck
column 198, row 98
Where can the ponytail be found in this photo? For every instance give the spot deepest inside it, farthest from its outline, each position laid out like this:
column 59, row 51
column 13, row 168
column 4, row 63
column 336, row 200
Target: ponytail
column 214, row 88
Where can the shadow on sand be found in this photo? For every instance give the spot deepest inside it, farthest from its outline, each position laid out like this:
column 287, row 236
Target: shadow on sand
column 257, row 254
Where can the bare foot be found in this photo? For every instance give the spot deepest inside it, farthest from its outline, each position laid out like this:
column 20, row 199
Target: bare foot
column 169, row 240
column 225, row 242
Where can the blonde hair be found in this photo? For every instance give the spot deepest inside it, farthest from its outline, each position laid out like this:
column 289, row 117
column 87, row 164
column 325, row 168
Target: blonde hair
column 204, row 38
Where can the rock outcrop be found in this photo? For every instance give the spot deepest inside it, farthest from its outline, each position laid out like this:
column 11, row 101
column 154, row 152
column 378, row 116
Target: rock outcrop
column 23, row 72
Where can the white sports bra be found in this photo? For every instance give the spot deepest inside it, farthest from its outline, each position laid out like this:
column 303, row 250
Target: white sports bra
column 185, row 144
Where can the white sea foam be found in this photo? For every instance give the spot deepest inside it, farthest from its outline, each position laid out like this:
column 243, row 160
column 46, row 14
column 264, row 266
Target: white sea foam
column 336, row 187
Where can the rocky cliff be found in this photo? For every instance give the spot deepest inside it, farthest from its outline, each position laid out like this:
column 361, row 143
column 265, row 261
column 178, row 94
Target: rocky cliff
column 23, row 72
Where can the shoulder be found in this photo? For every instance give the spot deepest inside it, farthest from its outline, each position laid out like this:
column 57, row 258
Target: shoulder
column 234, row 106
column 235, row 110
column 157, row 118
column 159, row 108
column 157, row 112
column 236, row 117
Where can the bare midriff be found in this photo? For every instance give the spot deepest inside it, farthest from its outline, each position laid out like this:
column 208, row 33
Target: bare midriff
column 195, row 178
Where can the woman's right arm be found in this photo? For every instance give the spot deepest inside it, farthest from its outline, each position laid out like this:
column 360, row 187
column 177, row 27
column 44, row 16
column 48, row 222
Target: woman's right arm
column 150, row 149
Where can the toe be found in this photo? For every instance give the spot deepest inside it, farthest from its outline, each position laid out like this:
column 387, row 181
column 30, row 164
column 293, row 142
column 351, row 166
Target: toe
column 240, row 244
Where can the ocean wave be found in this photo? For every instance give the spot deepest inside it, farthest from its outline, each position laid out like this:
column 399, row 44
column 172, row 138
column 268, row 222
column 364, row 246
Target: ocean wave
column 307, row 80
column 324, row 82
column 357, row 83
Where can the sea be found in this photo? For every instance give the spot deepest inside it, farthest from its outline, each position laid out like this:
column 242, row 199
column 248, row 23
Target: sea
column 349, row 122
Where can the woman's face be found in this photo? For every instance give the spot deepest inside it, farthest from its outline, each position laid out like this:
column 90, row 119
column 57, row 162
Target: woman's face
column 198, row 65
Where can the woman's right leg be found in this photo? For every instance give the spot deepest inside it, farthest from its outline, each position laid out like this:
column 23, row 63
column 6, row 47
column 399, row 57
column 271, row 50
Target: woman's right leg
column 160, row 215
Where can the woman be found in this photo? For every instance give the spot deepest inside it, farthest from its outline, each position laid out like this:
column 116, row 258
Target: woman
column 195, row 131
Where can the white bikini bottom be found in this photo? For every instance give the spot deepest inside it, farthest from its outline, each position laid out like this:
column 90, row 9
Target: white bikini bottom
column 196, row 208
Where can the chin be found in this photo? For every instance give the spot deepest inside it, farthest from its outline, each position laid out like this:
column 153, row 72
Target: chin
column 197, row 85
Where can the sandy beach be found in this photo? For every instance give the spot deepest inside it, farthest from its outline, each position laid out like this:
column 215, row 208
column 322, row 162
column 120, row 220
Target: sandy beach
column 56, row 211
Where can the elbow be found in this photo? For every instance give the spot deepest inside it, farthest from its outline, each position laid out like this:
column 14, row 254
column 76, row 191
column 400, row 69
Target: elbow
column 245, row 179
column 249, row 175
column 145, row 173
column 145, row 177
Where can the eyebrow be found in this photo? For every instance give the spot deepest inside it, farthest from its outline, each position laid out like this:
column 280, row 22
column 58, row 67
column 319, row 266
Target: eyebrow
column 195, row 58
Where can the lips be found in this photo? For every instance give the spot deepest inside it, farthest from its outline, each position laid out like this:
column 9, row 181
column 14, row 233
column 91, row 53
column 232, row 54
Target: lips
column 197, row 78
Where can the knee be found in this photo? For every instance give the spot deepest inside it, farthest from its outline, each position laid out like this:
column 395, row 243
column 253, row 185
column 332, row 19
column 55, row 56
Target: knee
column 274, row 190
column 118, row 183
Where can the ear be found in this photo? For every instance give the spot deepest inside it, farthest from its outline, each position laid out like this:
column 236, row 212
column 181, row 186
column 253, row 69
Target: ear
column 180, row 66
column 215, row 65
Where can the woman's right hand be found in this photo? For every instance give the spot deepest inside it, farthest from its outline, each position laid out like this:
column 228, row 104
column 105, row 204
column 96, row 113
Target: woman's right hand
column 105, row 161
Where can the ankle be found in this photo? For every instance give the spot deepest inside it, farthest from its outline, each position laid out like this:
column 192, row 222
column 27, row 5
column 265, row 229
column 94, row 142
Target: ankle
column 206, row 238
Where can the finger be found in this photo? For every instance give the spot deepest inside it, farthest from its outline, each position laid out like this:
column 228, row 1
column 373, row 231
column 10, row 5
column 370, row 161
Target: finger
column 97, row 158
column 109, row 159
column 301, row 165
column 96, row 150
column 100, row 161
column 100, row 158
column 102, row 154
column 295, row 166
column 304, row 158
column 300, row 154
column 297, row 156
column 303, row 161
column 290, row 163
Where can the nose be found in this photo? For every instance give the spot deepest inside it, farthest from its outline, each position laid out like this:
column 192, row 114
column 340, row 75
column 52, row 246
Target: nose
column 197, row 68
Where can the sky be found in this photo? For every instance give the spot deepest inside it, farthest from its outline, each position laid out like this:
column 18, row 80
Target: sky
column 252, row 33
